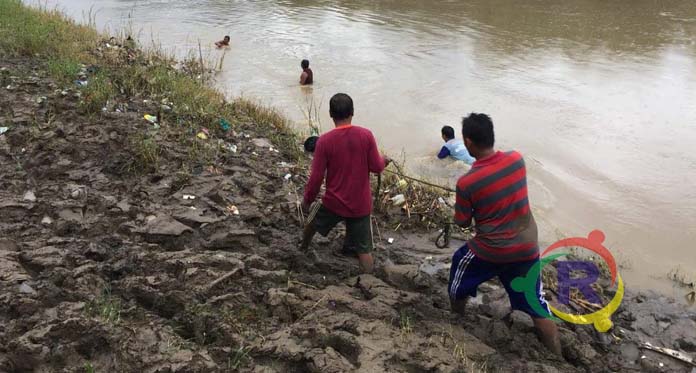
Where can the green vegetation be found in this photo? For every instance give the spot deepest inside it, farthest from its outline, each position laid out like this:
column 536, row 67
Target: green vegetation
column 105, row 306
column 118, row 71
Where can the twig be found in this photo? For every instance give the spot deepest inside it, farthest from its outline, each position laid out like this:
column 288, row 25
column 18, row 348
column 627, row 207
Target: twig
column 669, row 352
column 313, row 307
column 225, row 277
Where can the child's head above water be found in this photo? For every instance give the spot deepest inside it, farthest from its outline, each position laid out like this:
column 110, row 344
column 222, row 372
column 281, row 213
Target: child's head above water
column 310, row 144
column 226, row 38
column 447, row 133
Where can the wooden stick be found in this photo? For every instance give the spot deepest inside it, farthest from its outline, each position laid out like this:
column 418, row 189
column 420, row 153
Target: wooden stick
column 669, row 352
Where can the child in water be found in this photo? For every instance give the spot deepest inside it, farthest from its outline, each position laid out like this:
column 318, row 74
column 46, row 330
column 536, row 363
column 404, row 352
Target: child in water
column 225, row 42
column 454, row 148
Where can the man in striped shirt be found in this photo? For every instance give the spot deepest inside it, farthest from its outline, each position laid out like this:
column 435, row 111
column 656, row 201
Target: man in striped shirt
column 494, row 195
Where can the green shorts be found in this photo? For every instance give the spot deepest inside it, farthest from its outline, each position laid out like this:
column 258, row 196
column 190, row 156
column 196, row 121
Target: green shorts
column 358, row 230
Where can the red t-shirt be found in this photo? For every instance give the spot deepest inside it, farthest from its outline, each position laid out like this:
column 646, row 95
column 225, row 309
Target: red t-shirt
column 494, row 194
column 345, row 155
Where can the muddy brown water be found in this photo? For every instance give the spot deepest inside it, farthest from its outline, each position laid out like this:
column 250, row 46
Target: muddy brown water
column 600, row 96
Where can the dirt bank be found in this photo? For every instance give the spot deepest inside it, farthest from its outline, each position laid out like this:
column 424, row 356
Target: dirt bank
column 121, row 251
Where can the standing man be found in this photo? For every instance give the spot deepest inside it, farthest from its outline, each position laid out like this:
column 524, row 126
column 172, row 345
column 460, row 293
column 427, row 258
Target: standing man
column 494, row 194
column 307, row 76
column 345, row 155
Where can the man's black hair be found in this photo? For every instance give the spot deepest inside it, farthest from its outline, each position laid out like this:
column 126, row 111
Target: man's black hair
column 341, row 106
column 305, row 64
column 479, row 129
column 226, row 37
column 310, row 144
column 448, row 132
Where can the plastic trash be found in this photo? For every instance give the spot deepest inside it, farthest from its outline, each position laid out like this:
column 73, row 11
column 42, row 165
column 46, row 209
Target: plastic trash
column 188, row 197
column 402, row 183
column 150, row 118
column 225, row 125
column 398, row 200
column 166, row 108
column 81, row 83
column 201, row 135
column 233, row 209
column 29, row 196
column 390, row 240
column 46, row 220
column 287, row 177
column 4, row 129
column 231, row 147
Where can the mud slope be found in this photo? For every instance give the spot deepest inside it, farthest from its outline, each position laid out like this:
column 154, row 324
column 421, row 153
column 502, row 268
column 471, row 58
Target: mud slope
column 106, row 269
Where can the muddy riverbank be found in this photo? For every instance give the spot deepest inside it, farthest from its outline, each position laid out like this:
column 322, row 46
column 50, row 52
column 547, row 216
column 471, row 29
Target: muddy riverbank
column 133, row 247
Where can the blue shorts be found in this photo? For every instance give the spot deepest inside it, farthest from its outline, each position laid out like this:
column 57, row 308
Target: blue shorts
column 468, row 272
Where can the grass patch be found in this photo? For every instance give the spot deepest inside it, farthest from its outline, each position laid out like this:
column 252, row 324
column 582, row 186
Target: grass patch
column 105, row 306
column 146, row 151
column 98, row 92
column 64, row 70
column 26, row 31
column 239, row 358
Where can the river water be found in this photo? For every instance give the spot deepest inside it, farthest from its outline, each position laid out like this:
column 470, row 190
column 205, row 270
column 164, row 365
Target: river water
column 600, row 96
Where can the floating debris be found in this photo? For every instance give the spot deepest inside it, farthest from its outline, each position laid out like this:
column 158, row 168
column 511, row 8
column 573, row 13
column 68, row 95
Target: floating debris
column 4, row 129
column 189, row 197
column 390, row 240
column 287, row 177
column 201, row 135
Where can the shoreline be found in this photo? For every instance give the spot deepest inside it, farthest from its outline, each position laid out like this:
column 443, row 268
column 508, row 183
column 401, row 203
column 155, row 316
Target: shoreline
column 107, row 243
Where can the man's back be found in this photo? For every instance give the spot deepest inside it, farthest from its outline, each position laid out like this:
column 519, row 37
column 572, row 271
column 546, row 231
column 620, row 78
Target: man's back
column 494, row 193
column 346, row 155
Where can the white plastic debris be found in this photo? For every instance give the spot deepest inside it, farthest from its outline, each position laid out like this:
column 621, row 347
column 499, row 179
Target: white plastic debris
column 398, row 200
column 429, row 257
column 661, row 365
column 46, row 220
column 29, row 196
column 4, row 129
column 26, row 289
column 233, row 209
column 643, row 357
column 231, row 147
column 390, row 240
column 287, row 177
column 188, row 197
column 441, row 200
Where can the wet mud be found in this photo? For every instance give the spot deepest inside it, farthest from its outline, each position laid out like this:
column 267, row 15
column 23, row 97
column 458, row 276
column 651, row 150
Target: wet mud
column 102, row 269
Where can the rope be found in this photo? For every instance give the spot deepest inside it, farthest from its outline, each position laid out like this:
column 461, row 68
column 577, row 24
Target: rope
column 400, row 174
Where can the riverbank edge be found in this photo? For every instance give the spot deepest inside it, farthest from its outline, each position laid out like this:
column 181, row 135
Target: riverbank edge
column 193, row 105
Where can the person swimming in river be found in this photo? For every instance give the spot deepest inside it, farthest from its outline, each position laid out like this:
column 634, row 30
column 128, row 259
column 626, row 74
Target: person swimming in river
column 225, row 42
column 453, row 148
column 307, row 76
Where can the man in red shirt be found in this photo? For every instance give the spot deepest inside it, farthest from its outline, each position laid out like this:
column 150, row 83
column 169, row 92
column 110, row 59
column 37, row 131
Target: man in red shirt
column 494, row 194
column 345, row 156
